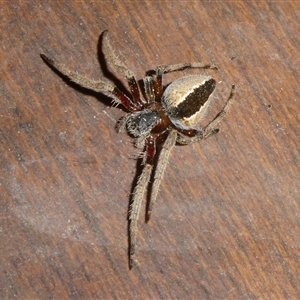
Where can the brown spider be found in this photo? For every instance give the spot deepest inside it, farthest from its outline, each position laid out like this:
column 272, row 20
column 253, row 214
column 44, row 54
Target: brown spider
column 165, row 117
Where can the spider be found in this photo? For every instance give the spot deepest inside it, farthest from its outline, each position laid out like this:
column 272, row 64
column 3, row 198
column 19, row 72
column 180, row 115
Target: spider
column 158, row 119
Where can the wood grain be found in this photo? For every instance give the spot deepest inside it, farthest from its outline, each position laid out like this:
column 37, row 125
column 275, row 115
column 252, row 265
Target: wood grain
column 226, row 224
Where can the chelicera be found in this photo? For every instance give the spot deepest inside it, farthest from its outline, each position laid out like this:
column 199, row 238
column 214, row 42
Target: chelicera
column 158, row 119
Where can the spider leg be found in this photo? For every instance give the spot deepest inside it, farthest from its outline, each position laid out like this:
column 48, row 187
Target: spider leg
column 220, row 116
column 149, row 89
column 138, row 195
column 161, row 167
column 119, row 67
column 160, row 70
column 121, row 124
column 183, row 66
column 100, row 86
column 191, row 136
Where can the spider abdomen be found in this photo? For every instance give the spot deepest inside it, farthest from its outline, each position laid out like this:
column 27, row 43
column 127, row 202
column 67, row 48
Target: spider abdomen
column 185, row 99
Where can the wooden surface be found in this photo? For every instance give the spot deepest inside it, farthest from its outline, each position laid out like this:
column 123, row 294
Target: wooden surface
column 227, row 220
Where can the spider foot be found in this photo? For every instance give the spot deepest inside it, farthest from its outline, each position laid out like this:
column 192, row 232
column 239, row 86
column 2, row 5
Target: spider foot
column 132, row 260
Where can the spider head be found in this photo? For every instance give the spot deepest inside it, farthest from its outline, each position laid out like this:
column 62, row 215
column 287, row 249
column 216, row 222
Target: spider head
column 141, row 123
column 185, row 100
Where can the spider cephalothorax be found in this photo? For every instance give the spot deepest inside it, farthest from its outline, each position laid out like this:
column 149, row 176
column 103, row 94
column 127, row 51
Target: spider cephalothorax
column 165, row 117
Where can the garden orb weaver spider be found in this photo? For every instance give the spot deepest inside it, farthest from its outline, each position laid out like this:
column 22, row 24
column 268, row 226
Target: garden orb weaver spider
column 158, row 121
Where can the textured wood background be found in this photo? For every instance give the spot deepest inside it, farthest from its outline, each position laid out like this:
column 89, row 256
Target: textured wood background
column 227, row 220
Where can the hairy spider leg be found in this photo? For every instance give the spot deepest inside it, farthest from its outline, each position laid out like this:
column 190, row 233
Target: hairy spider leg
column 220, row 116
column 160, row 70
column 158, row 84
column 161, row 167
column 138, row 195
column 119, row 67
column 190, row 136
column 150, row 91
column 99, row 86
column 183, row 66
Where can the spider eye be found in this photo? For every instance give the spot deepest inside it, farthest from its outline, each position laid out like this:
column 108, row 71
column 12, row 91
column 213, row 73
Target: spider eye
column 185, row 100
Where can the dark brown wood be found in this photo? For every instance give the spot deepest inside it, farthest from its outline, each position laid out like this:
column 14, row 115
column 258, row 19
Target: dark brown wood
column 226, row 224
